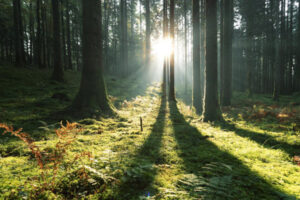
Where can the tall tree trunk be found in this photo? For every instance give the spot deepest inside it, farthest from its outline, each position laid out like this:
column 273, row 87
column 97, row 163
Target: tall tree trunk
column 31, row 32
column 132, row 47
column 92, row 94
column 185, row 47
column 44, row 35
column 278, row 58
column 211, row 108
column 197, row 97
column 106, row 34
column 226, row 85
column 18, row 27
column 141, row 31
column 38, row 43
column 290, row 85
column 69, row 47
column 250, row 58
column 202, row 46
column 172, row 57
column 124, row 38
column 148, row 32
column 58, row 74
column 64, row 53
column 282, row 49
column 221, row 52
column 23, row 56
column 297, row 68
column 165, row 34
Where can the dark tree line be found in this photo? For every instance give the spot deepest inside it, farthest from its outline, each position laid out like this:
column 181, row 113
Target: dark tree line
column 229, row 45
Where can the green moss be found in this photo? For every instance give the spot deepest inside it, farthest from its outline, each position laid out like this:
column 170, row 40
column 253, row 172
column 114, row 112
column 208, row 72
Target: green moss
column 175, row 157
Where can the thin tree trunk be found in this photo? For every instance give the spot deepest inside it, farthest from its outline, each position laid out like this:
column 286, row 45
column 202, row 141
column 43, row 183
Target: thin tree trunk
column 63, row 37
column 297, row 67
column 44, row 36
column 38, row 43
column 58, row 74
column 278, row 59
column 226, row 83
column 185, row 47
column 69, row 47
column 172, row 57
column 165, row 34
column 148, row 31
column 124, row 38
column 31, row 32
column 197, row 98
column 19, row 42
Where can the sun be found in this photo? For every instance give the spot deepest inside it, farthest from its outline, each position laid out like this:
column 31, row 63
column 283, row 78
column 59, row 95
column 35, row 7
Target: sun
column 162, row 47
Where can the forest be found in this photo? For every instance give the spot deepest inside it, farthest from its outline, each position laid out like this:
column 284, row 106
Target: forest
column 149, row 99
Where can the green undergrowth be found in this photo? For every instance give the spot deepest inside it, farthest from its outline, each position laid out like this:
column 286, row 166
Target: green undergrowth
column 176, row 156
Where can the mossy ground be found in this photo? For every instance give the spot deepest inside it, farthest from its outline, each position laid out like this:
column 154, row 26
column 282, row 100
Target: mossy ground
column 250, row 156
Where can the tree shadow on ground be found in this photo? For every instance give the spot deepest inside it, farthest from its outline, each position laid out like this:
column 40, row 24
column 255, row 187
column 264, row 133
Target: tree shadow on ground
column 212, row 173
column 141, row 172
column 130, row 87
column 267, row 141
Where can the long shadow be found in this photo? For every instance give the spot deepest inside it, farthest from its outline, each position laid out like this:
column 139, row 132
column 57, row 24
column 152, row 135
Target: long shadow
column 140, row 173
column 219, row 175
column 265, row 140
column 131, row 87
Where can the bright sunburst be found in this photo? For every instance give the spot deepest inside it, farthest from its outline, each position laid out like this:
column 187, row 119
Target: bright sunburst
column 162, row 47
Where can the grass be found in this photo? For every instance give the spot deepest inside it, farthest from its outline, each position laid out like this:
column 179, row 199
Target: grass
column 175, row 157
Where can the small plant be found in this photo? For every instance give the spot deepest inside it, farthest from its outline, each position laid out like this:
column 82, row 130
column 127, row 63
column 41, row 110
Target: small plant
column 50, row 162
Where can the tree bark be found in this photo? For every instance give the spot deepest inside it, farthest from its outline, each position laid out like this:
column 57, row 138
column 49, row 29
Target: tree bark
column 148, row 32
column 278, row 59
column 172, row 57
column 19, row 41
column 58, row 74
column 197, row 98
column 185, row 47
column 31, row 32
column 165, row 34
column 63, row 40
column 211, row 108
column 124, row 38
column 226, row 83
column 297, row 68
column 69, row 47
column 92, row 96
column 38, row 41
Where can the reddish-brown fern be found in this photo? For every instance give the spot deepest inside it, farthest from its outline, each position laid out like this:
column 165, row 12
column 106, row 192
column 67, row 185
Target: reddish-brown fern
column 66, row 135
column 27, row 140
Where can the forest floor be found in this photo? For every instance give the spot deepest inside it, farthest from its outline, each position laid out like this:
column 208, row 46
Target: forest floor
column 253, row 155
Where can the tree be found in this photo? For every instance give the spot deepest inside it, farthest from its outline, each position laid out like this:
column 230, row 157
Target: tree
column 278, row 57
column 165, row 35
column 226, row 75
column 297, row 70
column 92, row 94
column 38, row 43
column 172, row 58
column 124, row 37
column 211, row 108
column 197, row 99
column 69, row 65
column 185, row 45
column 58, row 73
column 148, row 31
column 19, row 40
